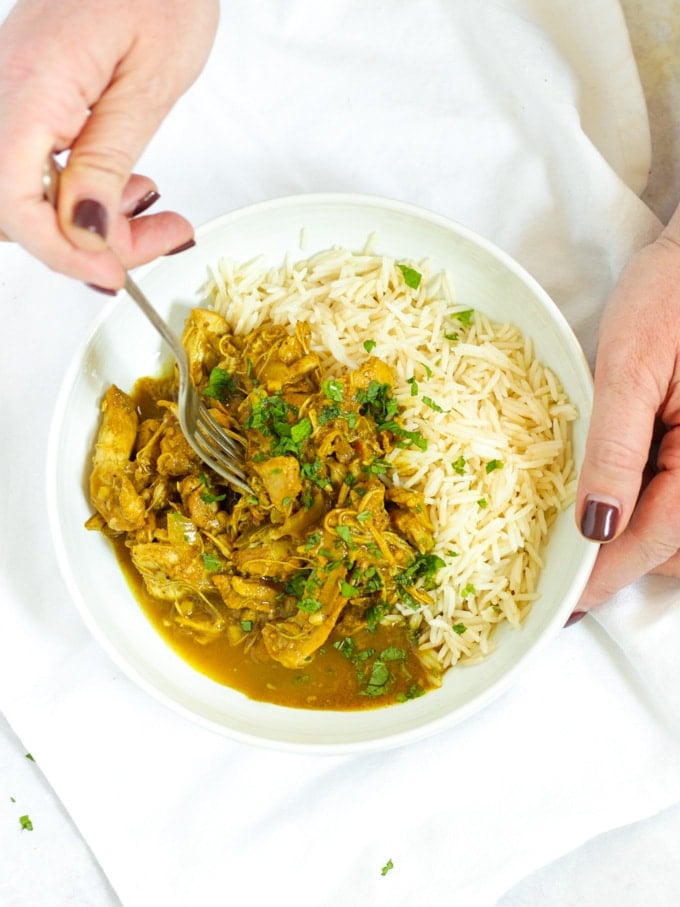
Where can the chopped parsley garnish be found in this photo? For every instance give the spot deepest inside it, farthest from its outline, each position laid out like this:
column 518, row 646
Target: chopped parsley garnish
column 207, row 496
column 468, row 590
column 374, row 614
column 302, row 586
column 313, row 473
column 483, row 503
column 424, row 567
column 377, row 401
column 459, row 466
column 428, row 401
column 414, row 386
column 453, row 336
column 386, row 868
column 392, row 653
column 220, row 385
column 412, row 277
column 274, row 418
column 413, row 692
column 493, row 464
column 328, row 414
column 369, row 345
column 345, row 534
column 377, row 467
column 211, row 562
column 26, row 823
column 333, row 389
column 378, row 679
column 313, row 540
column 247, row 626
column 301, row 430
column 371, row 666
column 459, row 629
column 465, row 316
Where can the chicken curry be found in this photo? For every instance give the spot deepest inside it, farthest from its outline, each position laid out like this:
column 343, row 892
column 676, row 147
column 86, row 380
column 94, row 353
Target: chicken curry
column 287, row 594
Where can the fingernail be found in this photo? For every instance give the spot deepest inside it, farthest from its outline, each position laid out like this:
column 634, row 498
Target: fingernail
column 91, row 215
column 145, row 202
column 105, row 290
column 575, row 618
column 189, row 244
column 600, row 518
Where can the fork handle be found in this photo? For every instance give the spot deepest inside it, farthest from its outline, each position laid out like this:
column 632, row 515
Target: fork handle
column 135, row 293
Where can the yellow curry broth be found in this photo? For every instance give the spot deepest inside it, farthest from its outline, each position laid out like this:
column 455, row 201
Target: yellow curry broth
column 280, row 593
column 330, row 681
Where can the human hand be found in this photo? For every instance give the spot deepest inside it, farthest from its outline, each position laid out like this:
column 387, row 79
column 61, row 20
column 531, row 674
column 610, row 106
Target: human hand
column 107, row 76
column 629, row 489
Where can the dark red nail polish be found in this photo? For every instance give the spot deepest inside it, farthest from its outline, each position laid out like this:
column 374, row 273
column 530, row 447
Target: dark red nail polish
column 105, row 290
column 91, row 215
column 599, row 520
column 575, row 618
column 145, row 202
column 189, row 244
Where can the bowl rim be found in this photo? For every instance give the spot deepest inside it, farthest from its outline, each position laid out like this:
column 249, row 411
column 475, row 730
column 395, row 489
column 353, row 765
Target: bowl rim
column 477, row 702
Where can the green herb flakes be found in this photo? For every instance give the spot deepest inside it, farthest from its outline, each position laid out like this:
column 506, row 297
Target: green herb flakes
column 345, row 534
column 428, row 401
column 26, row 823
column 387, row 868
column 465, row 316
column 220, row 385
column 333, row 389
column 412, row 277
column 493, row 464
column 211, row 562
column 301, row 430
column 369, row 345
column 459, row 629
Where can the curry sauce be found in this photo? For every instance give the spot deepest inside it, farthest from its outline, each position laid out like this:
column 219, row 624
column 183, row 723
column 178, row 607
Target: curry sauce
column 337, row 678
column 290, row 593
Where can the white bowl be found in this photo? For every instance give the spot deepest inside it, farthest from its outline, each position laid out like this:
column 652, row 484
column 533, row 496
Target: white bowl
column 122, row 347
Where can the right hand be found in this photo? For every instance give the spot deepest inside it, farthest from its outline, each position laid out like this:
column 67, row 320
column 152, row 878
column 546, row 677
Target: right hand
column 98, row 79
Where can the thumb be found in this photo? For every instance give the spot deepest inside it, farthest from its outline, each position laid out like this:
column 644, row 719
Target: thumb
column 118, row 129
column 617, row 448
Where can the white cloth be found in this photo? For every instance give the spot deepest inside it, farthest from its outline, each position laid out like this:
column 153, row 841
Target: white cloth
column 525, row 121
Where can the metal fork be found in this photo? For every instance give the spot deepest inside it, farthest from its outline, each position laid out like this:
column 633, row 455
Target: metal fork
column 206, row 436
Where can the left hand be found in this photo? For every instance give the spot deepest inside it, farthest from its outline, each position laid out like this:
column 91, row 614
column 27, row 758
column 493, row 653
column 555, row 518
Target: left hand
column 628, row 495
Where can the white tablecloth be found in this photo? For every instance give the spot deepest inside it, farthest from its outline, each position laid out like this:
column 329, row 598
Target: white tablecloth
column 525, row 121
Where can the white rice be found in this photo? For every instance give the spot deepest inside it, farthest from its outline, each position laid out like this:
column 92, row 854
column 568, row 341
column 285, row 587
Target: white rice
column 498, row 402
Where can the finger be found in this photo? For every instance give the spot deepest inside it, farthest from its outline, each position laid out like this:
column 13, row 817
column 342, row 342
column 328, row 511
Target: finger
column 145, row 238
column 671, row 567
column 650, row 543
column 616, row 453
column 139, row 194
column 635, row 361
column 121, row 124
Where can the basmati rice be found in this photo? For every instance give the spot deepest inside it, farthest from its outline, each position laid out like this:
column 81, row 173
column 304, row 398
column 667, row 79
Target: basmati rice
column 498, row 466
